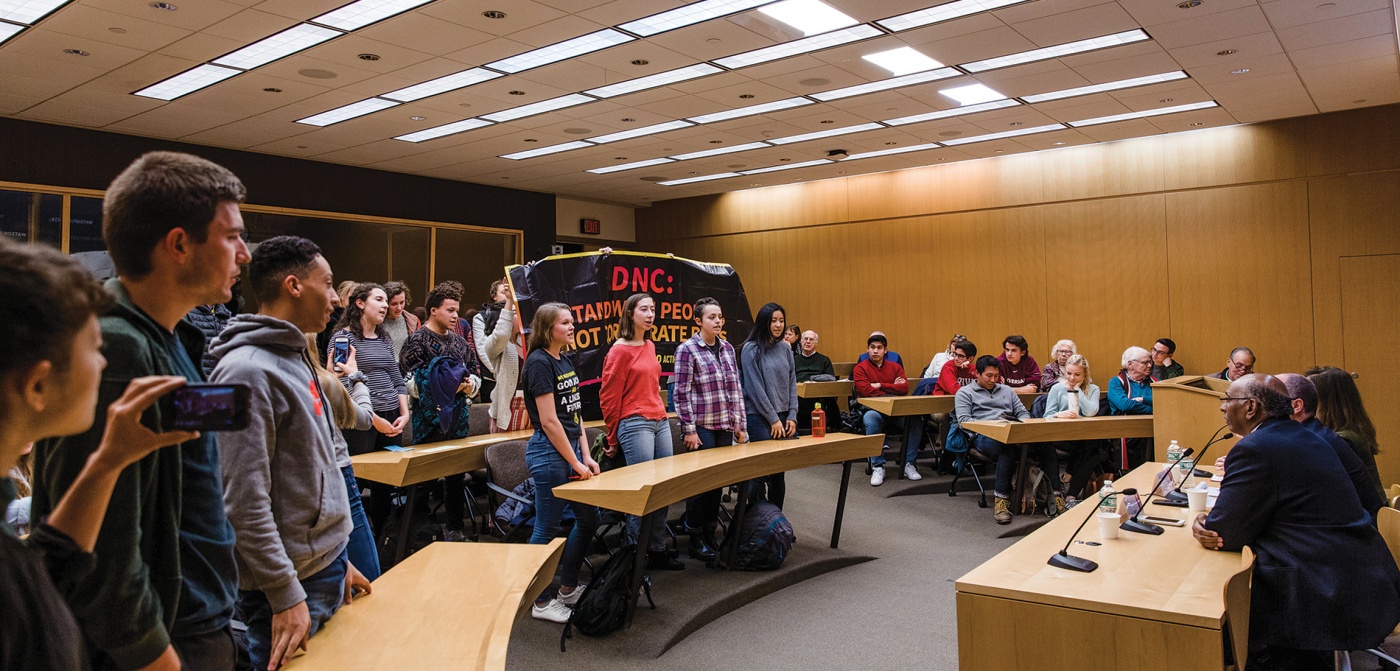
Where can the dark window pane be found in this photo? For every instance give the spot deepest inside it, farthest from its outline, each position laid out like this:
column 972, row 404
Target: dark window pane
column 85, row 227
column 50, row 214
column 14, row 214
column 476, row 259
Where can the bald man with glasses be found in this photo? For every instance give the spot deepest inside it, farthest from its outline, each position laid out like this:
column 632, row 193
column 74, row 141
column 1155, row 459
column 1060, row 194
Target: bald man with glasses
column 1240, row 364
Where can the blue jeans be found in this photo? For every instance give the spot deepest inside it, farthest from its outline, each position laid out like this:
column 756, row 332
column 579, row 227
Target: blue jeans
column 549, row 469
column 643, row 440
column 760, row 429
column 914, row 435
column 325, row 591
column 1005, row 456
column 703, row 508
column 362, row 552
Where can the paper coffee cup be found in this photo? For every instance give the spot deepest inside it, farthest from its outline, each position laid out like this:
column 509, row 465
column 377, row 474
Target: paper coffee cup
column 1108, row 525
column 1196, row 498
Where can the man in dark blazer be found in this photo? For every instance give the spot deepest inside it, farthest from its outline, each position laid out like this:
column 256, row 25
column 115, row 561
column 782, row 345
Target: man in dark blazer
column 1323, row 578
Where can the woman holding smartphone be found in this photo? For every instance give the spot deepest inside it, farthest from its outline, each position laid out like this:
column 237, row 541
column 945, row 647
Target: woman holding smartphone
column 556, row 453
column 630, row 396
column 769, row 377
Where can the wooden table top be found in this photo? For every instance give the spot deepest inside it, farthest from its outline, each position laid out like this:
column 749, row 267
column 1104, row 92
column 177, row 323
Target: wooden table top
column 448, row 606
column 430, row 461
column 1167, row 578
column 642, row 488
column 837, row 388
column 903, row 406
column 1050, row 429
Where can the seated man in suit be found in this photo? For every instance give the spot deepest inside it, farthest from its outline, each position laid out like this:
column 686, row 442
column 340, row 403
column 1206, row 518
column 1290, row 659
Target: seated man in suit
column 1303, row 395
column 1324, row 579
column 988, row 399
column 877, row 376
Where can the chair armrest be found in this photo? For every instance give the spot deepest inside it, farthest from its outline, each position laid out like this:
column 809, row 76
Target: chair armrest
column 508, row 494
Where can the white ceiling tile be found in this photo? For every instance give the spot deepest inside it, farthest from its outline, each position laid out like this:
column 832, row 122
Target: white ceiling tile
column 1091, row 107
column 1206, row 118
column 1348, row 75
column 424, row 33
column 941, row 32
column 248, row 132
column 249, row 26
column 1290, row 13
column 190, row 15
column 1206, row 28
column 14, row 104
column 74, row 115
column 710, row 40
column 36, row 88
column 1271, row 91
column 1258, row 66
column 1245, row 48
column 1152, row 13
column 49, row 45
column 573, row 6
column 371, row 152
column 1335, row 54
column 201, row 47
column 834, row 77
column 174, row 120
column 1342, row 29
column 1383, row 90
column 347, row 49
column 978, row 46
column 80, row 20
column 520, row 14
column 1076, row 25
column 1042, row 8
column 1031, row 78
column 1300, row 108
column 558, row 30
column 729, row 95
column 292, row 66
column 297, row 147
column 300, row 10
column 486, row 52
column 1121, row 130
column 1126, row 68
column 246, row 93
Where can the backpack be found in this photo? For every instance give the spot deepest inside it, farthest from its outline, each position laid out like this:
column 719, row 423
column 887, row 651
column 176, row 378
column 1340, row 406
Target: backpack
column 1039, row 495
column 602, row 607
column 765, row 538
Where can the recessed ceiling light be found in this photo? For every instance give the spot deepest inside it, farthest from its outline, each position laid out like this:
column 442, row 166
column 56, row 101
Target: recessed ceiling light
column 272, row 89
column 629, row 166
column 315, row 73
column 815, row 81
column 357, row 15
column 693, row 172
column 755, row 184
column 784, row 159
column 1188, row 4
column 956, row 111
column 1358, row 101
column 902, row 61
column 163, row 6
column 1057, row 51
column 860, row 128
column 345, row 112
column 578, row 46
column 76, row 52
column 493, row 14
column 301, row 146
column 653, row 81
column 1005, row 134
column 1056, row 144
column 464, row 104
column 551, row 149
column 716, row 141
column 1227, row 52
column 1239, row 71
column 444, row 130
column 950, row 133
column 1167, row 100
column 583, row 131
column 1198, row 123
column 1110, row 86
column 802, row 46
column 827, row 121
column 750, row 110
column 292, row 40
column 695, row 12
column 1015, row 123
column 641, row 61
column 418, row 118
column 999, row 151
column 973, row 94
column 619, row 158
column 517, row 93
column 1144, row 114
column 118, row 31
column 891, row 144
column 432, row 87
column 530, row 139
column 885, row 85
column 184, row 83
column 722, row 150
column 368, row 57
column 944, row 12
column 538, row 108
column 745, row 96
column 809, row 16
column 627, row 120
column 1326, row 6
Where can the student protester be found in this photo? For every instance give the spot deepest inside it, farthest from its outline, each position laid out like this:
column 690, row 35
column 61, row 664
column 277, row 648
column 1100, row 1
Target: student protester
column 50, row 371
column 793, row 337
column 1302, row 394
column 282, row 488
column 1240, row 364
column 769, row 379
column 363, row 324
column 986, row 399
column 890, row 355
column 1051, row 374
column 399, row 322
column 1018, row 368
column 1130, row 393
column 1075, row 395
column 162, row 590
column 444, row 391
column 556, row 452
column 710, row 404
column 877, row 376
column 210, row 320
column 1340, row 409
column 813, row 366
column 936, row 365
column 1164, row 363
column 630, row 397
column 498, row 345
column 959, row 371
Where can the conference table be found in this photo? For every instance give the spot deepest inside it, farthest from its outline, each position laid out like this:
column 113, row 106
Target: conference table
column 1155, row 602
column 449, row 606
column 640, row 489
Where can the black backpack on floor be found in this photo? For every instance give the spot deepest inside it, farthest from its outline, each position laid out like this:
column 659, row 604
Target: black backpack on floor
column 765, row 538
column 602, row 608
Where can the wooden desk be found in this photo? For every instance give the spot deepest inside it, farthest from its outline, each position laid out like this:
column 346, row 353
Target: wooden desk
column 430, row 461
column 1154, row 601
column 449, row 606
column 841, row 390
column 1187, row 410
column 1052, row 430
column 902, row 406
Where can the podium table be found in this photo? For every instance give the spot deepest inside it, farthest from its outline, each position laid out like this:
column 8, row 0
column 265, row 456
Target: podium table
column 1187, row 410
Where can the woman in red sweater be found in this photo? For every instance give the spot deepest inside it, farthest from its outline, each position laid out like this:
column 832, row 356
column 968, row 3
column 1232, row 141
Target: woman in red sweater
column 633, row 411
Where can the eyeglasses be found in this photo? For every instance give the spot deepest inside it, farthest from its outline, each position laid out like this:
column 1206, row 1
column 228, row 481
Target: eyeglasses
column 959, row 355
column 1160, row 351
column 1144, row 362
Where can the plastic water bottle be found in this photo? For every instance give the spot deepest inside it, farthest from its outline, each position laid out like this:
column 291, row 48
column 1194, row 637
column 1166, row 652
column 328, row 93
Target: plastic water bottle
column 1173, row 452
column 1184, row 471
column 1108, row 498
column 818, row 422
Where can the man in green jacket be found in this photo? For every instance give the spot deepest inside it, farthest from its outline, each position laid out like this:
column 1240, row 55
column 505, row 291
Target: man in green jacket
column 163, row 589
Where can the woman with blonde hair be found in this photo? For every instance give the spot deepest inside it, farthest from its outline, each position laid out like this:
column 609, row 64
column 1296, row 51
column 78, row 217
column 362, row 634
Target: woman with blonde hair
column 1059, row 356
column 1073, row 396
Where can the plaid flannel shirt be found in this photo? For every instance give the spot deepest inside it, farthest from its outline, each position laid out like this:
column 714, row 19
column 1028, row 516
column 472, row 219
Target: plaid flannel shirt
column 707, row 387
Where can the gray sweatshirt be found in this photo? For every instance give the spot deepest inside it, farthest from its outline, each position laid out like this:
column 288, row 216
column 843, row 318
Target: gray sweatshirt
column 283, row 492
column 769, row 379
column 973, row 403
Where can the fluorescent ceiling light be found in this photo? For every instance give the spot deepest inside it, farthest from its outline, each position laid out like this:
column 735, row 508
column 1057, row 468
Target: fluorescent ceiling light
column 443, row 130
column 809, row 16
column 695, row 12
column 1140, row 115
column 896, row 150
column 552, row 149
column 1057, row 51
column 339, row 114
column 539, row 108
column 26, row 12
column 944, row 12
column 638, row 132
column 297, row 38
column 802, row 46
column 8, row 30
column 902, row 61
column 360, row 14
column 1110, row 86
column 653, row 81
column 567, row 49
column 956, row 111
column 432, row 87
column 886, row 84
column 999, row 136
column 751, row 110
column 972, row 94
column 776, row 168
column 629, row 166
column 187, row 82
column 826, row 133
column 725, row 150
column 702, row 178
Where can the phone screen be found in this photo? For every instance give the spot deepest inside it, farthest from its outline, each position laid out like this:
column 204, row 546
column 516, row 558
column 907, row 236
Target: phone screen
column 342, row 349
column 212, row 407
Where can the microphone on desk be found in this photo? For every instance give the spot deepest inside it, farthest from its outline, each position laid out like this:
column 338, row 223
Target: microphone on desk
column 1133, row 524
column 1063, row 559
column 1176, row 498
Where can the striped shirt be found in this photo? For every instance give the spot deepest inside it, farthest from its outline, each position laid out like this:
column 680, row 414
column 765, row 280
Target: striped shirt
column 708, row 393
column 375, row 357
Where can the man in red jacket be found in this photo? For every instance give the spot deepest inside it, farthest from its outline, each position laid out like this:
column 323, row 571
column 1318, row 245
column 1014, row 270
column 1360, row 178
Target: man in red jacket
column 959, row 371
column 875, row 377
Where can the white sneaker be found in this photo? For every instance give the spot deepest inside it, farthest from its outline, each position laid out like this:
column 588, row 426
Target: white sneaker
column 572, row 597
column 911, row 473
column 878, row 477
column 554, row 611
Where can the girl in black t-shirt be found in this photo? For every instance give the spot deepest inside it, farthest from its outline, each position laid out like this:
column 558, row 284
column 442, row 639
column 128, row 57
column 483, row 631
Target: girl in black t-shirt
column 556, row 453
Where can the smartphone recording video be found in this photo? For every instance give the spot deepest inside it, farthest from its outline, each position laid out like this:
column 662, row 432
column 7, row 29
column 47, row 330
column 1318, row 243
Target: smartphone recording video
column 205, row 407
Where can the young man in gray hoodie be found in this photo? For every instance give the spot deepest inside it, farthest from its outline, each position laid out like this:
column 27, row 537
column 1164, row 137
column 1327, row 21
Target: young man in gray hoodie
column 283, row 492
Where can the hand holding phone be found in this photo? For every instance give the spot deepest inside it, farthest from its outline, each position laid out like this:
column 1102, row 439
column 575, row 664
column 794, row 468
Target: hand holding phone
column 340, row 352
column 205, row 407
column 125, row 440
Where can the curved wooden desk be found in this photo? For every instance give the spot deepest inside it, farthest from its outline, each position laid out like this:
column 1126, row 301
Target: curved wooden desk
column 449, row 606
column 1051, row 430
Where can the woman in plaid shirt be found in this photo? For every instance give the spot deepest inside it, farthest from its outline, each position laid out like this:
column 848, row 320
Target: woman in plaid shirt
column 710, row 404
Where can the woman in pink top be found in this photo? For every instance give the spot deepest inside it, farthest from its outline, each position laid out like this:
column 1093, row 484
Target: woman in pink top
column 633, row 411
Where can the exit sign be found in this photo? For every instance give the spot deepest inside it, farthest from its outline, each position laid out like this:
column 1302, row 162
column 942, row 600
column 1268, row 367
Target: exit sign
column 590, row 226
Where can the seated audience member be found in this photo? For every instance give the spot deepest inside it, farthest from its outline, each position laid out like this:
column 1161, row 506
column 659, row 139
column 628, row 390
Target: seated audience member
column 1052, row 372
column 50, row 371
column 1340, row 409
column 1075, row 395
column 1323, row 578
column 812, row 364
column 1302, row 393
column 1018, row 368
column 986, row 399
column 1164, row 363
column 793, row 337
column 890, row 355
column 877, row 376
column 1130, row 393
column 1240, row 363
column 959, row 371
column 936, row 365
column 282, row 489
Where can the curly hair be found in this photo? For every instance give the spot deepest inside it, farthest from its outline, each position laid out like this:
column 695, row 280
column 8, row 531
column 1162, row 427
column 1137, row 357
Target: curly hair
column 353, row 312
